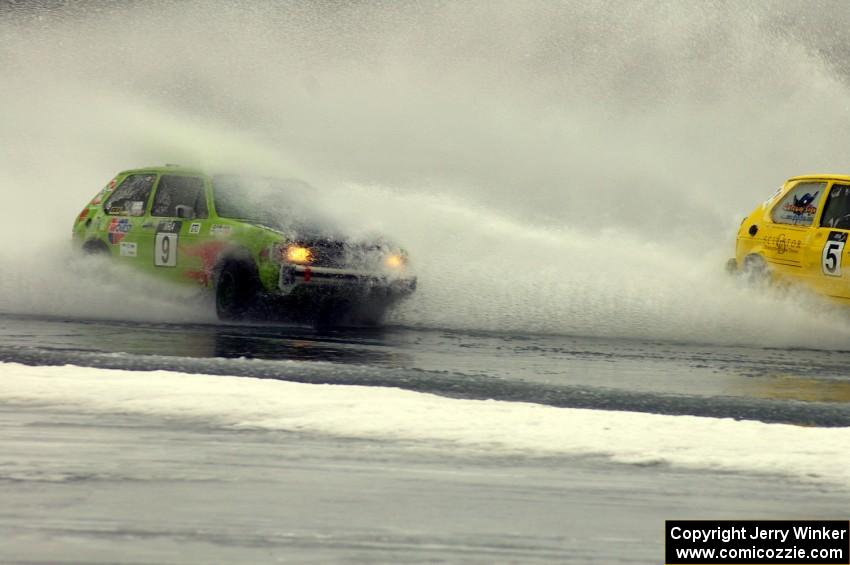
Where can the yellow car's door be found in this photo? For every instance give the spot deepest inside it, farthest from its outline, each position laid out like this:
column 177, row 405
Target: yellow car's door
column 828, row 254
column 787, row 238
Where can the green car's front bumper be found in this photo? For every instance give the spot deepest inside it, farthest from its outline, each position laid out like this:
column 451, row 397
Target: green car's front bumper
column 303, row 277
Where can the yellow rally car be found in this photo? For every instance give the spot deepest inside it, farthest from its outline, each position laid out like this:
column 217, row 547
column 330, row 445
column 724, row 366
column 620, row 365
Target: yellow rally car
column 799, row 234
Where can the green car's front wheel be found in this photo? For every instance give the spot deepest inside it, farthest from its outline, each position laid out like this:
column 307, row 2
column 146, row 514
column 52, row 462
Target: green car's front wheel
column 235, row 291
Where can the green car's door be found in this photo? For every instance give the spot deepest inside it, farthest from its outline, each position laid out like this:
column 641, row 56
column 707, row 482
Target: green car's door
column 172, row 235
column 125, row 212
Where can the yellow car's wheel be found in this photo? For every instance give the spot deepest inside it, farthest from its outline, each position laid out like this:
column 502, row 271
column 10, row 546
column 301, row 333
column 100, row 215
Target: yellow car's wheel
column 755, row 269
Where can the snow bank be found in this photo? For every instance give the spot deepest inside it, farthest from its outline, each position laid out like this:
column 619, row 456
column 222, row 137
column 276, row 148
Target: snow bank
column 424, row 421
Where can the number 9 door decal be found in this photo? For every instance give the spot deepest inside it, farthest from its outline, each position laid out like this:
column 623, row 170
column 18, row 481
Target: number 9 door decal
column 831, row 256
column 165, row 250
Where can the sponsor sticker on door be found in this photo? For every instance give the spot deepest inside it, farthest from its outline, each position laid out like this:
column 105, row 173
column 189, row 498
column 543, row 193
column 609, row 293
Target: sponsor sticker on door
column 128, row 249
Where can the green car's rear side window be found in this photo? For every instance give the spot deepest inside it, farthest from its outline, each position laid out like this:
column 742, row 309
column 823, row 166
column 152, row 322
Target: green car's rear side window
column 131, row 196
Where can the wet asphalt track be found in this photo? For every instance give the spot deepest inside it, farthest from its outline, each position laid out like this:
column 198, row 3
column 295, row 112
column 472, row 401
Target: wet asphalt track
column 807, row 387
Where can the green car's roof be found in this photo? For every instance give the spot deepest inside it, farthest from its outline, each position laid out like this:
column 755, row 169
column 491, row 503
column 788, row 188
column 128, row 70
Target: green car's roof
column 169, row 168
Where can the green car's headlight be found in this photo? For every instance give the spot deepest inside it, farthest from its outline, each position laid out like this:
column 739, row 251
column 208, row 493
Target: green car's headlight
column 298, row 254
column 395, row 261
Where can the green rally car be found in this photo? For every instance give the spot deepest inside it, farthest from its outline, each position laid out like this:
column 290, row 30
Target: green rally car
column 252, row 240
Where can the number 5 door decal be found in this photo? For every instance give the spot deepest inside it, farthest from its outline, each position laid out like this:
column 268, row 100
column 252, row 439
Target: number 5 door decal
column 832, row 251
column 165, row 250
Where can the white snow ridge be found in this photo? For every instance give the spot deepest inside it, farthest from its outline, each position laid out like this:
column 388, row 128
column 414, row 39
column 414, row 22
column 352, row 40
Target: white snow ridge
column 426, row 421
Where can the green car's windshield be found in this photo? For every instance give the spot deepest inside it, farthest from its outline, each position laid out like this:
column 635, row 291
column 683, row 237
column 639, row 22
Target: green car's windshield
column 276, row 203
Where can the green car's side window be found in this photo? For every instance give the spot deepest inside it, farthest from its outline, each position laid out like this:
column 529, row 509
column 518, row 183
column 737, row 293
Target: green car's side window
column 131, row 196
column 180, row 192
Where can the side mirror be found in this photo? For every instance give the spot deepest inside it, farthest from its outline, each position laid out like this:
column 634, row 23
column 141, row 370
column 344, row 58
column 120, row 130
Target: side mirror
column 184, row 212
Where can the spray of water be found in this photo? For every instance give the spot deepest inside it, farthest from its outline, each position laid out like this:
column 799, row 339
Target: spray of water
column 568, row 168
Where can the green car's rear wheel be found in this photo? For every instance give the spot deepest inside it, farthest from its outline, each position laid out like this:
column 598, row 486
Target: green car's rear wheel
column 235, row 290
column 95, row 247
